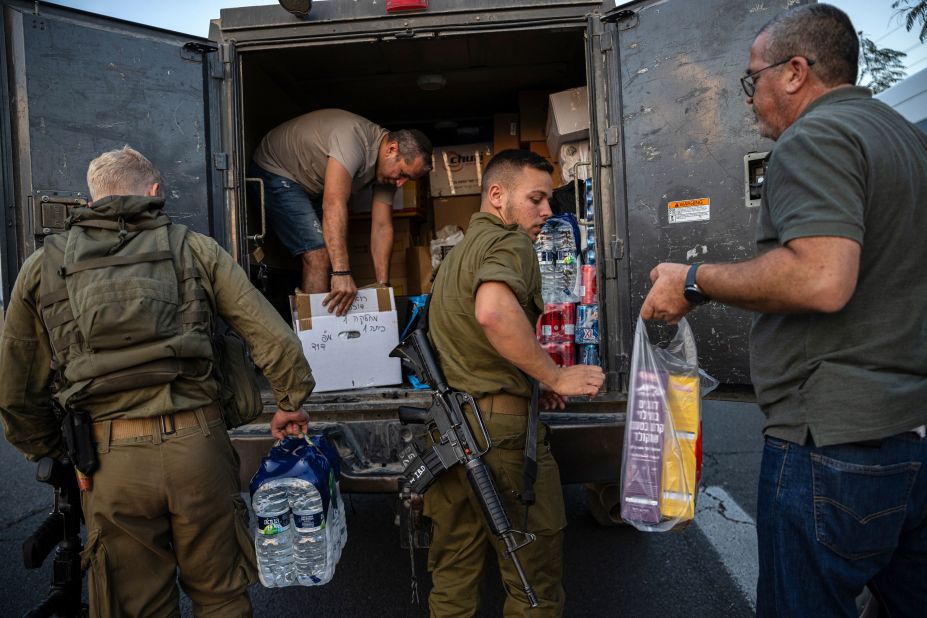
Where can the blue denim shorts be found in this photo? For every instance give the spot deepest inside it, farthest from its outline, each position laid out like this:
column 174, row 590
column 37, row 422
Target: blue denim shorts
column 293, row 215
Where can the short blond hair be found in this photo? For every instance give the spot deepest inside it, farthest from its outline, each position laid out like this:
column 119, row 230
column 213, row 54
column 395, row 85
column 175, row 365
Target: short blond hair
column 122, row 172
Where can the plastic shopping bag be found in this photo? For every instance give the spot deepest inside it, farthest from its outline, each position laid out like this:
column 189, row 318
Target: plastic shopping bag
column 662, row 459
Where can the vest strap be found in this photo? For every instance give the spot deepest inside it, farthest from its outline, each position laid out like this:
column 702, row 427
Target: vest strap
column 104, row 224
column 51, row 298
column 63, row 317
column 114, row 260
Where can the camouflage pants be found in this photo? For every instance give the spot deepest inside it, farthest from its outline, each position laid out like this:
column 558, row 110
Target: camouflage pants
column 462, row 542
column 165, row 503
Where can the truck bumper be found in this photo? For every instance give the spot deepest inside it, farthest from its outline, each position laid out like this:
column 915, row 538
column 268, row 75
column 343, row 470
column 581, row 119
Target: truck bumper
column 586, row 444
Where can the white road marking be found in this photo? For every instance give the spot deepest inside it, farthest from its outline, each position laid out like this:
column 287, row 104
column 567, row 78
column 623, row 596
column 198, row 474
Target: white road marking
column 733, row 535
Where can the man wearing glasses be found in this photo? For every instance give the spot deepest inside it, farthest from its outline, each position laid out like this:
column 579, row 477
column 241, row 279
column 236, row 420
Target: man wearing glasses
column 310, row 166
column 839, row 340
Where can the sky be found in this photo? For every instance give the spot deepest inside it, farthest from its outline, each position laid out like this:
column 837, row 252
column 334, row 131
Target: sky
column 875, row 18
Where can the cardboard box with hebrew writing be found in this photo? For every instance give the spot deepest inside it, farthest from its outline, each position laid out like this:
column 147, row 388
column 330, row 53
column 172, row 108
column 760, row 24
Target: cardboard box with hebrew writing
column 351, row 351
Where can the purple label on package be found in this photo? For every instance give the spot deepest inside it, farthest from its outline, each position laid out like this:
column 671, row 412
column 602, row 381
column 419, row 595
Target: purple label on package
column 640, row 500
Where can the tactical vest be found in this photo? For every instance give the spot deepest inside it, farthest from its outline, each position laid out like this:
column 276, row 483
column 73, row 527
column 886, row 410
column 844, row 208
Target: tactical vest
column 122, row 301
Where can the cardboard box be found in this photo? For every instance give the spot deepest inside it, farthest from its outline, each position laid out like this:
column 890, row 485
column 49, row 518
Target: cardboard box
column 458, row 170
column 532, row 114
column 363, row 269
column 505, row 133
column 455, row 210
column 351, row 351
column 541, row 149
column 408, row 199
column 398, row 284
column 359, row 239
column 418, row 270
column 567, row 118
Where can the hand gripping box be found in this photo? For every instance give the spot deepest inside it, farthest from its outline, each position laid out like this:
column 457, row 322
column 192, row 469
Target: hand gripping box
column 351, row 351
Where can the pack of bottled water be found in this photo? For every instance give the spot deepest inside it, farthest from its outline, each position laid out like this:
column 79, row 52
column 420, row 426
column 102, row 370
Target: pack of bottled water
column 556, row 250
column 301, row 527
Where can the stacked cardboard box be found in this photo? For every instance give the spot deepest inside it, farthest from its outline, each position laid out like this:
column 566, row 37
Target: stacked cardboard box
column 418, row 270
column 505, row 132
column 458, row 170
column 455, row 211
column 541, row 149
column 362, row 260
column 409, row 199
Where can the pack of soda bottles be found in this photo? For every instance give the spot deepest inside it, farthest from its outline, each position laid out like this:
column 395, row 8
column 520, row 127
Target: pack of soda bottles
column 297, row 503
column 569, row 327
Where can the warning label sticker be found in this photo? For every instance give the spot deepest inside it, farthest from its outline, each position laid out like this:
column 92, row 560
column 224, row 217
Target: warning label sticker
column 685, row 211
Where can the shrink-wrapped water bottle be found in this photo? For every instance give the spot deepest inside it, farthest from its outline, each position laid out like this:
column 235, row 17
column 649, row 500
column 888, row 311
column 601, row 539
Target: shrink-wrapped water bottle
column 556, row 250
column 273, row 540
column 295, row 488
column 310, row 543
column 340, row 529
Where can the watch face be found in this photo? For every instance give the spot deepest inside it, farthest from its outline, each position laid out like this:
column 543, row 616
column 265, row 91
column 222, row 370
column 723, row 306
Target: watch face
column 694, row 296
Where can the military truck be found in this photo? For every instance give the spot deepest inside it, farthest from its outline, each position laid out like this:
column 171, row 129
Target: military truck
column 675, row 159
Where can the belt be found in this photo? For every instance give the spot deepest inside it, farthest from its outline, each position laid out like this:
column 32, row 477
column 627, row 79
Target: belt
column 127, row 428
column 503, row 403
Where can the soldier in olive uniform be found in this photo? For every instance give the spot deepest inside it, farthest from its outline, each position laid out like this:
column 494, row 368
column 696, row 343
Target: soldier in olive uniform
column 487, row 298
column 165, row 497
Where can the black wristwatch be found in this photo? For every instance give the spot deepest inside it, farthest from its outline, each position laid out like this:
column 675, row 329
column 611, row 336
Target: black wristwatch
column 691, row 291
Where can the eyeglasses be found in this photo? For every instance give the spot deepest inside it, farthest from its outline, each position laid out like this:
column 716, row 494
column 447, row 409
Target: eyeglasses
column 748, row 81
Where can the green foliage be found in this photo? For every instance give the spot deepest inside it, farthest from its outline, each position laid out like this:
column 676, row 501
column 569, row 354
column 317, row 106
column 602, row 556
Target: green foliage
column 882, row 66
column 914, row 11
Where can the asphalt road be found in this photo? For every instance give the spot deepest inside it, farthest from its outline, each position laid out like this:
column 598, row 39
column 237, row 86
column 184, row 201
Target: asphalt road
column 705, row 570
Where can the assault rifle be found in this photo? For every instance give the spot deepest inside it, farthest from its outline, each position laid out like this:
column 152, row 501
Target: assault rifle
column 454, row 442
column 62, row 529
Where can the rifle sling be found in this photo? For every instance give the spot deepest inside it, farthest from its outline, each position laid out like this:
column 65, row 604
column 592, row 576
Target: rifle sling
column 529, row 472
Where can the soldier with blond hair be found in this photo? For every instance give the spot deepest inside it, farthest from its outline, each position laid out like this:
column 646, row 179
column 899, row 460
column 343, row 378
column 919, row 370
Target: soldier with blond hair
column 114, row 319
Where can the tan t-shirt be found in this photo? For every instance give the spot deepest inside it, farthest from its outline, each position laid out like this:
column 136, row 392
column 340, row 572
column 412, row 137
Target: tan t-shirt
column 299, row 150
column 490, row 251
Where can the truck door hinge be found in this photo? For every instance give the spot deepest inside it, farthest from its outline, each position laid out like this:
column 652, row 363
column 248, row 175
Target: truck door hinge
column 625, row 19
column 220, row 160
column 605, row 42
column 52, row 208
column 618, row 249
column 612, row 136
column 199, row 48
column 610, row 268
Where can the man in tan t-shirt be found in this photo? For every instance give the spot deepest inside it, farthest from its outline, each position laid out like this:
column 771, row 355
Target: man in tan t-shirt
column 310, row 166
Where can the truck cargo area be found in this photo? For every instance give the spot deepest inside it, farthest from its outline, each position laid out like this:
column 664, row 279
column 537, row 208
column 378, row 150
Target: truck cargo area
column 451, row 88
column 454, row 89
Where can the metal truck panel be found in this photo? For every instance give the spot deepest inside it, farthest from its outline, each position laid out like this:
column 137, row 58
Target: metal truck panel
column 684, row 131
column 271, row 27
column 82, row 84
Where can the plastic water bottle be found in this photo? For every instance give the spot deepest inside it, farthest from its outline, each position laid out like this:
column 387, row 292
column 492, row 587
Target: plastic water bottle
column 273, row 540
column 341, row 524
column 547, row 262
column 338, row 527
column 556, row 250
column 311, row 545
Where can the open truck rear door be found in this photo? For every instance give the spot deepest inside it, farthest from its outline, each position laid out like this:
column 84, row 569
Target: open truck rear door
column 77, row 84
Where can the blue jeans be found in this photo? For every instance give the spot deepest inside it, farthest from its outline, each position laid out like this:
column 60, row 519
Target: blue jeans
column 833, row 519
column 293, row 215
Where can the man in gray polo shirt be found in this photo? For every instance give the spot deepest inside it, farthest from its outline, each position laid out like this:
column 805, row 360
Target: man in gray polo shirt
column 310, row 166
column 839, row 341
